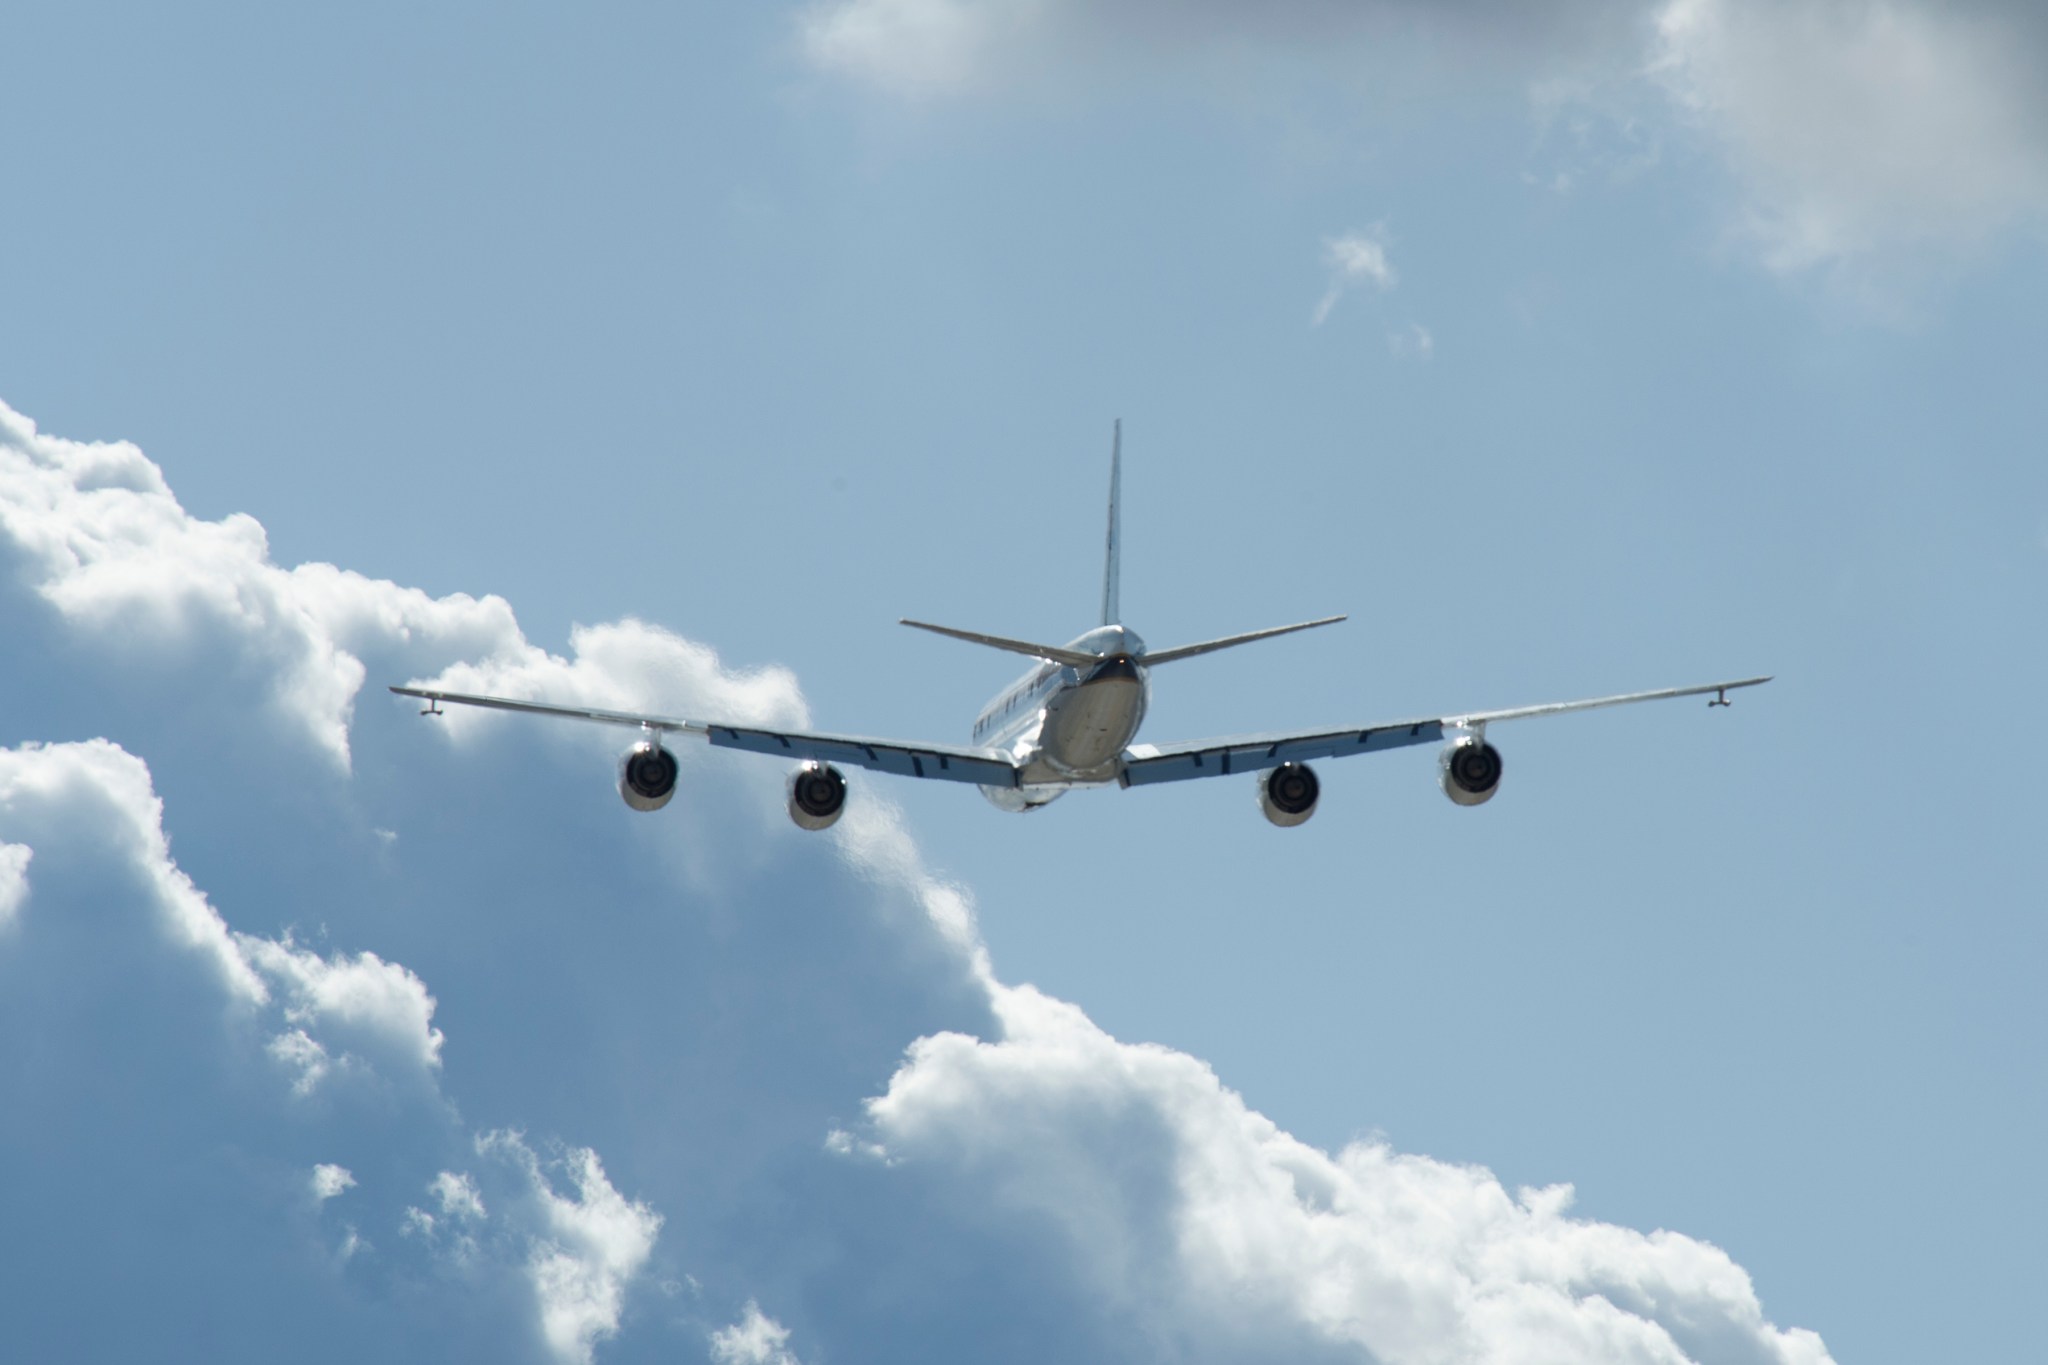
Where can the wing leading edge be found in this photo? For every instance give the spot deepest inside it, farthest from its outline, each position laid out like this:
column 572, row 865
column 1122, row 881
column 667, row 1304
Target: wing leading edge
column 940, row 762
column 1145, row 764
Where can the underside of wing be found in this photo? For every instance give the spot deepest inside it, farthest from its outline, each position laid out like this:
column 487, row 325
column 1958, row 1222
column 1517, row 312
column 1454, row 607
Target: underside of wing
column 668, row 724
column 1558, row 708
column 941, row 762
column 1145, row 764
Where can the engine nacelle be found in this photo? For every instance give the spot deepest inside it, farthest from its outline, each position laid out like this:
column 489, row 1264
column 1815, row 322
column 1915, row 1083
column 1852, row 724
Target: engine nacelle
column 1469, row 771
column 1288, row 793
column 647, row 776
column 817, row 796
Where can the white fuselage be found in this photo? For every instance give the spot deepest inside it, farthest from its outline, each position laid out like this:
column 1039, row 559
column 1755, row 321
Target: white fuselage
column 1066, row 726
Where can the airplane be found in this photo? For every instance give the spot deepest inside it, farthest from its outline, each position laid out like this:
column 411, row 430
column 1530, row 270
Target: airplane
column 1071, row 722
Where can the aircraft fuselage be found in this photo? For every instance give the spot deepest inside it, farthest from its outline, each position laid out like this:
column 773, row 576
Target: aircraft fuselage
column 1066, row 726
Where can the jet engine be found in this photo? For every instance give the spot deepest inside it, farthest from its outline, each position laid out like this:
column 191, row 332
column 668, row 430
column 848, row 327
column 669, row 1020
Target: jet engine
column 1288, row 793
column 647, row 776
column 1469, row 771
column 817, row 796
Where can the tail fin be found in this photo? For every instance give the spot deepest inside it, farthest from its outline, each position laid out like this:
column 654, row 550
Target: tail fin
column 1112, row 612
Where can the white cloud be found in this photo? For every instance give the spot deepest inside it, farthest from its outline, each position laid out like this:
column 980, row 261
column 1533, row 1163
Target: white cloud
column 330, row 1180
column 45, row 789
column 1355, row 258
column 1861, row 127
column 1856, row 131
column 365, row 998
column 589, row 1247
column 352, row 1244
column 1202, row 1216
column 923, row 48
column 579, row 1251
column 298, row 1050
column 1590, row 129
column 710, row 1042
column 14, row 860
column 100, row 537
column 918, row 47
column 756, row 1339
column 458, row 1195
column 1414, row 343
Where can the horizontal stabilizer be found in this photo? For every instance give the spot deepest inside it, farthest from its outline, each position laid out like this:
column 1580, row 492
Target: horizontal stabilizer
column 1073, row 658
column 1167, row 656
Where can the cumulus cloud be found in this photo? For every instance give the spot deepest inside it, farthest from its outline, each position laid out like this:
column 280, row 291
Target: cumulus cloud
column 1025, row 1186
column 345, row 1000
column 13, row 879
column 330, row 1180
column 1203, row 1216
column 97, row 533
column 379, row 1002
column 590, row 1245
column 145, row 1031
column 579, row 1250
column 184, row 1009
column 97, row 785
column 756, row 1339
column 302, row 1055
column 458, row 1195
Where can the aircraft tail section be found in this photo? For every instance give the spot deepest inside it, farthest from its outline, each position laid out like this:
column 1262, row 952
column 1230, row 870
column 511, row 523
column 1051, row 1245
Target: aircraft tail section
column 1059, row 654
column 1112, row 610
column 1167, row 656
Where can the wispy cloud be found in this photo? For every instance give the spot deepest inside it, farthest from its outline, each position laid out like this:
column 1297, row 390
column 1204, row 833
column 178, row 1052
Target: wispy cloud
column 756, row 1339
column 923, row 48
column 1858, row 130
column 1854, row 133
column 1415, row 342
column 1355, row 259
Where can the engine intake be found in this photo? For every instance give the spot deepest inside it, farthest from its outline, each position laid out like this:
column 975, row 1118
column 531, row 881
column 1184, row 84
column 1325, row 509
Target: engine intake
column 817, row 796
column 1469, row 771
column 1288, row 793
column 647, row 776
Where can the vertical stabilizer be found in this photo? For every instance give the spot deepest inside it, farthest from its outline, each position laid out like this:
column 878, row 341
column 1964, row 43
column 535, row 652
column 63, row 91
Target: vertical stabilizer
column 1112, row 613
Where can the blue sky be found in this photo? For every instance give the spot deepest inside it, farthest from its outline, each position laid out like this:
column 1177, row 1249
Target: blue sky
column 665, row 355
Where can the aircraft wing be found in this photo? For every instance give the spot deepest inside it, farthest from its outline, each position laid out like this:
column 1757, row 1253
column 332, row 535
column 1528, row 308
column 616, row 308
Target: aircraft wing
column 1148, row 763
column 942, row 762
